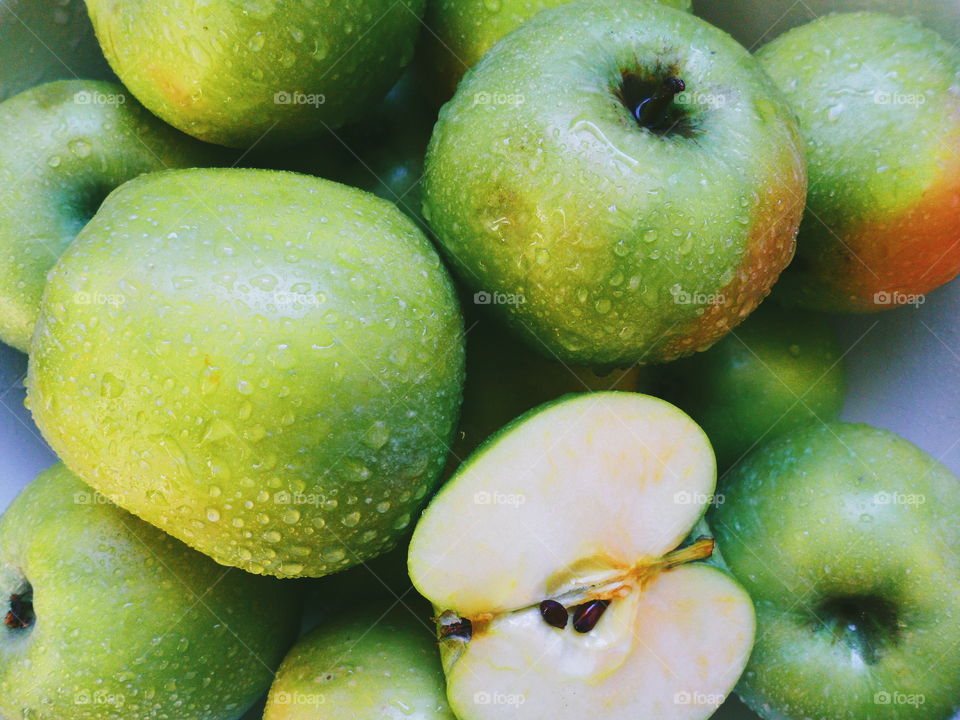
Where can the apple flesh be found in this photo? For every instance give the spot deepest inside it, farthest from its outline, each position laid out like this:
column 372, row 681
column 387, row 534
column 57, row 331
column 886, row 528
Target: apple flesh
column 883, row 148
column 271, row 372
column 778, row 371
column 104, row 617
column 553, row 561
column 241, row 74
column 845, row 537
column 566, row 178
column 63, row 147
column 366, row 664
column 460, row 32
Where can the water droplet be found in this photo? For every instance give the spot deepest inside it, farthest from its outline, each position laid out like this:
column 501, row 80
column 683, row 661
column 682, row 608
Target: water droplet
column 111, row 386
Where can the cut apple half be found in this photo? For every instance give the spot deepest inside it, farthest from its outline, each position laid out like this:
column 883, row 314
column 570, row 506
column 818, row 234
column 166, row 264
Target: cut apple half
column 556, row 563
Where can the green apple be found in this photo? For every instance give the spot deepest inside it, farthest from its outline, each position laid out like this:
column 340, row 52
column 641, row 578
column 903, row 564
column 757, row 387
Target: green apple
column 615, row 220
column 241, row 73
column 755, row 21
column 107, row 618
column 779, row 370
column 846, row 538
column 459, row 33
column 878, row 102
column 505, row 379
column 63, row 147
column 555, row 562
column 44, row 40
column 368, row 664
column 266, row 365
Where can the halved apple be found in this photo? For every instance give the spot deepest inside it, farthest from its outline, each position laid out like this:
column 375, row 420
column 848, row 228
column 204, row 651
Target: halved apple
column 556, row 563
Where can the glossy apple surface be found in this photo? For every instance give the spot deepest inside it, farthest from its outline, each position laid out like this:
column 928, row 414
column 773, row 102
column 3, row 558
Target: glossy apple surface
column 63, row 147
column 107, row 618
column 604, row 238
column 843, row 535
column 266, row 365
column 242, row 73
column 460, row 32
column 879, row 104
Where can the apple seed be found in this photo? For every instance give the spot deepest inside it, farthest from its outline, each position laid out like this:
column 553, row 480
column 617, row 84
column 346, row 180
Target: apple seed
column 554, row 614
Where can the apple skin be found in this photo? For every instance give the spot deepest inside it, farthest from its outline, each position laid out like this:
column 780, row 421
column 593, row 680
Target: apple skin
column 63, row 147
column 460, row 32
column 130, row 623
column 753, row 22
column 277, row 377
column 623, row 245
column 228, row 72
column 367, row 664
column 45, row 40
column 883, row 225
column 819, row 524
column 779, row 370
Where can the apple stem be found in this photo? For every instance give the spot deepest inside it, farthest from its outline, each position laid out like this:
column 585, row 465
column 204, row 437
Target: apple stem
column 701, row 549
column 651, row 112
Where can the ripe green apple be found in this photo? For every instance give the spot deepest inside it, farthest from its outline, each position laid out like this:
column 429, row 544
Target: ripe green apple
column 266, row 365
column 367, row 664
column 755, row 21
column 63, row 147
column 107, row 618
column 505, row 379
column 238, row 73
column 779, row 370
column 44, row 40
column 846, row 538
column 555, row 562
column 620, row 222
column 878, row 102
column 459, row 33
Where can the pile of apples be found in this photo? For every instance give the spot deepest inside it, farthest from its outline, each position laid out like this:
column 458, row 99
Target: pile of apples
column 397, row 410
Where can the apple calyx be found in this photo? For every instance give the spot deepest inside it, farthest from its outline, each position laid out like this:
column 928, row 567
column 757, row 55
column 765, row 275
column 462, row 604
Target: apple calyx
column 20, row 615
column 651, row 105
column 586, row 605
